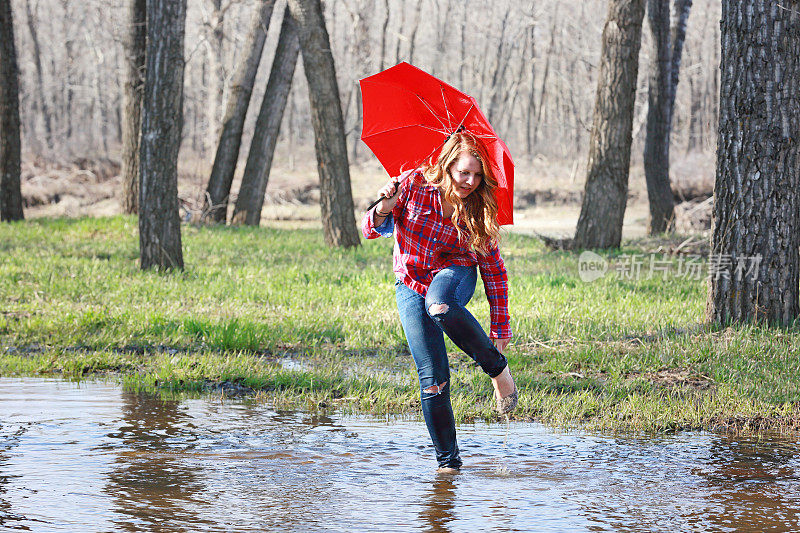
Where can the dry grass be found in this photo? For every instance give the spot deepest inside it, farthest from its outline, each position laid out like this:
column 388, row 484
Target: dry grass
column 548, row 191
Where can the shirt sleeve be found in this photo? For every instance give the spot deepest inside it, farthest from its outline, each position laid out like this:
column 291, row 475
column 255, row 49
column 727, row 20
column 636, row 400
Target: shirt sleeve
column 495, row 282
column 371, row 231
column 386, row 229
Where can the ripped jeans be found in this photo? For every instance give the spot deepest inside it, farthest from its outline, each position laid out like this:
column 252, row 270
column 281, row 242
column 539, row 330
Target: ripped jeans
column 448, row 294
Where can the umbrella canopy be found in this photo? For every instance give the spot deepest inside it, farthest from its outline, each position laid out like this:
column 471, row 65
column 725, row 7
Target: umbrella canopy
column 408, row 116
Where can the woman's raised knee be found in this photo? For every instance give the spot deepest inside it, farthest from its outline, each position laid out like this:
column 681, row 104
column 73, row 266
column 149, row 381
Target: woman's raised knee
column 436, row 306
column 438, row 309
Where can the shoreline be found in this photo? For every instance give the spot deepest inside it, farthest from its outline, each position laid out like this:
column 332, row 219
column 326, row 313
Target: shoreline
column 670, row 400
column 276, row 312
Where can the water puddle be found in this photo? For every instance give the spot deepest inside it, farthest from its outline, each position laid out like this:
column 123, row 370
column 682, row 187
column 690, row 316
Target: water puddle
column 92, row 457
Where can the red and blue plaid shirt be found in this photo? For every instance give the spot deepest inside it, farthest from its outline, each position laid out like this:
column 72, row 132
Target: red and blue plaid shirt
column 427, row 242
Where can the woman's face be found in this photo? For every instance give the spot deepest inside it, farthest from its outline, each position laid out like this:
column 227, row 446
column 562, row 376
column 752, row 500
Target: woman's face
column 466, row 173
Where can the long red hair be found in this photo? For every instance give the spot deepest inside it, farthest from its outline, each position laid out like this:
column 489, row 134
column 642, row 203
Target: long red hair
column 478, row 211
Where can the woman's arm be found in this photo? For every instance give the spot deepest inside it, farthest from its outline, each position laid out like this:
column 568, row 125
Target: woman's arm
column 373, row 225
column 379, row 221
column 495, row 282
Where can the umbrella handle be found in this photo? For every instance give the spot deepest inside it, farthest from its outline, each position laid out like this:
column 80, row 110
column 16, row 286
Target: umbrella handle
column 373, row 204
column 376, row 202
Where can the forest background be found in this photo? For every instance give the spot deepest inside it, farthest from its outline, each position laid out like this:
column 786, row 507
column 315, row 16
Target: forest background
column 532, row 67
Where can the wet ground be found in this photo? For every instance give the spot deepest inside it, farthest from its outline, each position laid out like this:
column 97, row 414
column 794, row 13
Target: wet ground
column 92, row 457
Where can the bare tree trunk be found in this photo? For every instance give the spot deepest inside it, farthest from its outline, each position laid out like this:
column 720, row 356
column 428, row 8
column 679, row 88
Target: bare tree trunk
column 463, row 44
column 413, row 39
column 265, row 135
column 656, row 146
column 119, row 97
column 215, row 86
column 135, row 44
column 695, row 108
column 543, row 88
column 605, row 195
column 754, row 266
column 400, row 28
column 162, row 122
column 531, row 93
column 69, row 47
column 677, row 38
column 230, row 139
column 712, row 93
column 10, row 193
column 499, row 72
column 384, row 28
column 37, row 61
column 361, row 54
column 336, row 201
column 509, row 110
column 444, row 23
column 101, row 102
column 664, row 70
column 292, row 129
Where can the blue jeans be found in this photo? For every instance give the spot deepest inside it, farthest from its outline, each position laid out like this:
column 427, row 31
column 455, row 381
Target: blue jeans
column 448, row 293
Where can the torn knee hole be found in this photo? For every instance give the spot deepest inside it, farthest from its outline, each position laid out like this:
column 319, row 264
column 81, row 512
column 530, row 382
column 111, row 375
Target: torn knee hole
column 435, row 389
column 438, row 309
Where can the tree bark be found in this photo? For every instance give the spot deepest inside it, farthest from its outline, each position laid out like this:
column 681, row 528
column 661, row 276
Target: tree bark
column 162, row 122
column 694, row 115
column 509, row 111
column 361, row 54
column 412, row 40
column 10, row 192
column 756, row 230
column 677, row 38
column 37, row 61
column 400, row 28
column 462, row 64
column 69, row 48
column 605, row 194
column 531, row 91
column 384, row 29
column 215, row 87
column 543, row 88
column 498, row 75
column 336, row 201
column 135, row 43
column 265, row 135
column 230, row 139
column 656, row 146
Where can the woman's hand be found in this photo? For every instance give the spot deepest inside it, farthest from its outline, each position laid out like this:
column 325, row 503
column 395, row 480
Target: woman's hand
column 501, row 344
column 390, row 193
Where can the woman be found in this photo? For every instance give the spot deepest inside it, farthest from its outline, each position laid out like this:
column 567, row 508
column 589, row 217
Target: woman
column 445, row 217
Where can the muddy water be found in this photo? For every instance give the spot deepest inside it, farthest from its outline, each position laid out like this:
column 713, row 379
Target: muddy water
column 92, row 457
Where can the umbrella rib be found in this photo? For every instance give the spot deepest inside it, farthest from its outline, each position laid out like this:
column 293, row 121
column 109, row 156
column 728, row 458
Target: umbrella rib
column 446, row 110
column 471, row 106
column 443, row 132
column 421, row 99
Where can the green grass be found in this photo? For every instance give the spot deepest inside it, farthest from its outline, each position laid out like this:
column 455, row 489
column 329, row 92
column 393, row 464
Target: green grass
column 614, row 354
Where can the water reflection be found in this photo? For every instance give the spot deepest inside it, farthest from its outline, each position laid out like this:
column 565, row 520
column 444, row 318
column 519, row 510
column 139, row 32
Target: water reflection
column 9, row 439
column 150, row 483
column 93, row 457
column 439, row 504
column 752, row 487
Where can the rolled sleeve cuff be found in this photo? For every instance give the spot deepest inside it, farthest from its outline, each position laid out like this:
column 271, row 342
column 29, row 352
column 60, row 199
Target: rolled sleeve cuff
column 501, row 331
column 386, row 229
column 368, row 229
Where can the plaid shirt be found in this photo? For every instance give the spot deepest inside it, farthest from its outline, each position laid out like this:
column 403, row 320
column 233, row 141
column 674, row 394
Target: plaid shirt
column 427, row 242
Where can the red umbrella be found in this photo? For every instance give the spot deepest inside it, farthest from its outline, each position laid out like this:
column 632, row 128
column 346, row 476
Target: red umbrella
column 408, row 116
